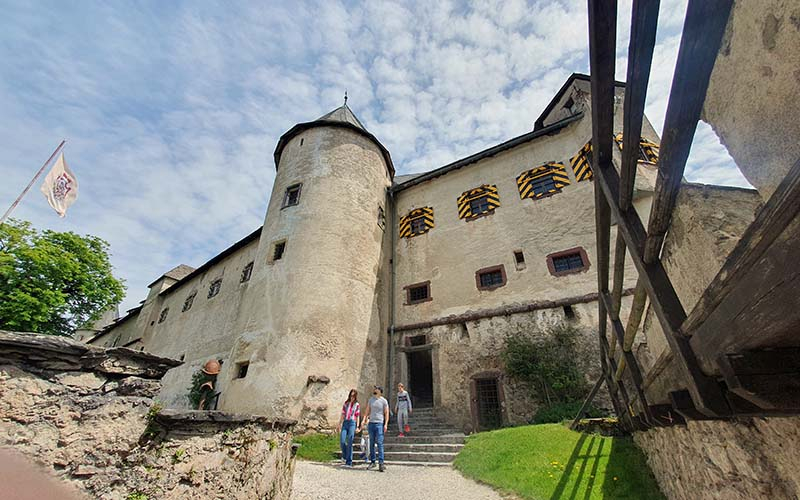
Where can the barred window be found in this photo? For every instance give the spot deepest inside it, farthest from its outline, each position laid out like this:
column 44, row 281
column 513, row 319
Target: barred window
column 163, row 316
column 187, row 304
column 479, row 205
column 214, row 288
column 416, row 222
column 418, row 226
column 278, row 250
column 542, row 181
column 570, row 261
column 490, row 278
column 246, row 272
column 482, row 200
column 418, row 292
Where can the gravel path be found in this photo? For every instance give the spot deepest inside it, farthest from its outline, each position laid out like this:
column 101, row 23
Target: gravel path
column 329, row 482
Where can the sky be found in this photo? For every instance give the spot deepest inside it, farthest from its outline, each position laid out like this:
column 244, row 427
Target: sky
column 172, row 110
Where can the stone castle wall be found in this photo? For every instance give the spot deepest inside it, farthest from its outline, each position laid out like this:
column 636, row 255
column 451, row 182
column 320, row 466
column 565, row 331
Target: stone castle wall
column 88, row 417
column 735, row 460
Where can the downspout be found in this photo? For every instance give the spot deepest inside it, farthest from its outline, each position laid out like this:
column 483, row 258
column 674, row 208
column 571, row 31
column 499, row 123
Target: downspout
column 390, row 355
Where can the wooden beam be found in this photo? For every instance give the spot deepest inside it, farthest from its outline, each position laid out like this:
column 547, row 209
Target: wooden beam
column 640, row 58
column 700, row 43
column 587, row 402
column 768, row 378
column 619, row 276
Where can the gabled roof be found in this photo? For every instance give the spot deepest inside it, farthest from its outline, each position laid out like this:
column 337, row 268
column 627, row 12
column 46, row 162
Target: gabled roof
column 177, row 273
column 539, row 123
column 342, row 117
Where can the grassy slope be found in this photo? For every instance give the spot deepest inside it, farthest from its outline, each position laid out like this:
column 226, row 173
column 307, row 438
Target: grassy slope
column 317, row 447
column 550, row 461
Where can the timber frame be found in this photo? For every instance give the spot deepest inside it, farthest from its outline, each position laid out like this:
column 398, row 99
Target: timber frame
column 725, row 369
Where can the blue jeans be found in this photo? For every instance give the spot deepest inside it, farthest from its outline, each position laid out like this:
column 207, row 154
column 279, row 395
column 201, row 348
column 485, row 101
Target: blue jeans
column 375, row 439
column 346, row 440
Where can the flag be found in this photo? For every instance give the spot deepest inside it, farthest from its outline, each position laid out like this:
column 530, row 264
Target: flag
column 60, row 187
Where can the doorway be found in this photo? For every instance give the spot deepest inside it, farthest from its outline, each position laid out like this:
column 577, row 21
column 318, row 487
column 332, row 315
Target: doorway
column 487, row 402
column 420, row 379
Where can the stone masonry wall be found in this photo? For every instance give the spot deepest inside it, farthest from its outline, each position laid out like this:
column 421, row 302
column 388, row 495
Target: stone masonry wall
column 738, row 460
column 88, row 416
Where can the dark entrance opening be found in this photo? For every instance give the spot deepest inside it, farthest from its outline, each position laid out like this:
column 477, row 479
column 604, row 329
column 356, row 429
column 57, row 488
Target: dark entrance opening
column 487, row 394
column 420, row 378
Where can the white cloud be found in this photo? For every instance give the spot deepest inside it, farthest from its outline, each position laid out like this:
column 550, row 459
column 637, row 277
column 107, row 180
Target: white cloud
column 172, row 110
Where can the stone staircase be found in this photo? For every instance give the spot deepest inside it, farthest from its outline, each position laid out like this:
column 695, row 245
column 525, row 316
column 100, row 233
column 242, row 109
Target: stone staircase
column 431, row 442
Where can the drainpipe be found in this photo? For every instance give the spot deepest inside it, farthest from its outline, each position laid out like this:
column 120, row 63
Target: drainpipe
column 390, row 355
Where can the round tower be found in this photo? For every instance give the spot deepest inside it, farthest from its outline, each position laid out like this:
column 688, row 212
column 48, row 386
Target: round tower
column 318, row 296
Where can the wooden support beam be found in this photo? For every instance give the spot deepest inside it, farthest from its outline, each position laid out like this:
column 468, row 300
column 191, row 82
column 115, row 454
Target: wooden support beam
column 640, row 58
column 700, row 43
column 666, row 416
column 768, row 378
column 634, row 319
column 587, row 402
column 619, row 276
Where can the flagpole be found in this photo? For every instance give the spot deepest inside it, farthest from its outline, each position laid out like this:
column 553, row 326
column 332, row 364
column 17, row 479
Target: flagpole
column 28, row 187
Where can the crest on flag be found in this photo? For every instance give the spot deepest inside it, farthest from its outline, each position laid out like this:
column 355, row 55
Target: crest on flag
column 60, row 187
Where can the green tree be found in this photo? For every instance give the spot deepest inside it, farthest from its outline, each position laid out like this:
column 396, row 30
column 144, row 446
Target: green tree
column 53, row 282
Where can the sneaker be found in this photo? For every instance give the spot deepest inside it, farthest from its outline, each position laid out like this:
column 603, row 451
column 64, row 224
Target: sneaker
column 401, row 435
column 346, row 466
column 371, row 465
column 381, row 468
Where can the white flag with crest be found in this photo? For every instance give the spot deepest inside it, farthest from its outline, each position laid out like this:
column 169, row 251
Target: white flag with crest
column 60, row 187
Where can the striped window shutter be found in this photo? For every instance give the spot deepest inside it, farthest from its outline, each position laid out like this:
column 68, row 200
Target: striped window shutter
column 487, row 190
column 542, row 181
column 425, row 214
column 648, row 151
column 582, row 163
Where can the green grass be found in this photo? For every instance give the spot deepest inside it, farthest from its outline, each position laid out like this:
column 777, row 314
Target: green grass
column 549, row 461
column 317, row 447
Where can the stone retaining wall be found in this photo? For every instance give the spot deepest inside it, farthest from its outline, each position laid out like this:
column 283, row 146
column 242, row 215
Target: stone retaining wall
column 735, row 460
column 87, row 415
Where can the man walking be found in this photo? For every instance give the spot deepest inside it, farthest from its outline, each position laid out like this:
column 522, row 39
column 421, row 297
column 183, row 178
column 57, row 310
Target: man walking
column 377, row 415
column 402, row 409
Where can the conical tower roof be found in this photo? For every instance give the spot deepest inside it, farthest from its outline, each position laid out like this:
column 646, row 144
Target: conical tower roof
column 343, row 117
column 343, row 114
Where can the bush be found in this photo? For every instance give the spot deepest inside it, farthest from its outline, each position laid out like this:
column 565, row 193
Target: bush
column 558, row 412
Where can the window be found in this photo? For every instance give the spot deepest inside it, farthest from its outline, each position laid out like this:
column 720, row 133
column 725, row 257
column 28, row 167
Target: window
column 582, row 163
column 416, row 222
column 490, row 278
column 246, row 272
column 381, row 218
column 542, row 181
column 302, row 141
column 416, row 340
column 569, row 313
column 648, row 151
column 418, row 292
column 519, row 260
column 213, row 289
column 478, row 202
column 163, row 315
column 277, row 251
column 569, row 261
column 292, row 196
column 187, row 304
column 241, row 369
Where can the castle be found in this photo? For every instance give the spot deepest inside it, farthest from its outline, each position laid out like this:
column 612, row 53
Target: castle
column 359, row 276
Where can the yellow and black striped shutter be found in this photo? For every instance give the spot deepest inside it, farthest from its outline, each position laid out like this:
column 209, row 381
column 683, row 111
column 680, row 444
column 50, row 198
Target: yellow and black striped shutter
column 526, row 179
column 582, row 163
column 424, row 213
column 488, row 190
column 648, row 151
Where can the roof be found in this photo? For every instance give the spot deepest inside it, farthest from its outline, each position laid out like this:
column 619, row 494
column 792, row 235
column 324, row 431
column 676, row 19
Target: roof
column 486, row 153
column 342, row 117
column 539, row 123
column 177, row 273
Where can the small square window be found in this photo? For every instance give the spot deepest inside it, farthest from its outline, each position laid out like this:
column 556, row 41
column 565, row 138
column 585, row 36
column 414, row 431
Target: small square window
column 381, row 218
column 213, row 289
column 569, row 261
column 247, row 271
column 292, row 196
column 544, row 185
column 277, row 252
column 418, row 226
column 187, row 304
column 490, row 278
column 519, row 257
column 479, row 205
column 241, row 369
column 417, row 340
column 418, row 292
column 163, row 315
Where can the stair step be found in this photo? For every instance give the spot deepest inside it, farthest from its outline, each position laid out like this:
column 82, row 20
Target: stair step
column 426, row 447
column 418, row 456
column 411, row 439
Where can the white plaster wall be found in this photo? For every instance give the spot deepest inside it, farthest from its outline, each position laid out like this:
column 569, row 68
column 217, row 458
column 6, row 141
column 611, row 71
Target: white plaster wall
column 320, row 309
column 752, row 101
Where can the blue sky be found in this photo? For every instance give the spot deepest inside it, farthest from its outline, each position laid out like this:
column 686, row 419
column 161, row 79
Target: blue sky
column 172, row 110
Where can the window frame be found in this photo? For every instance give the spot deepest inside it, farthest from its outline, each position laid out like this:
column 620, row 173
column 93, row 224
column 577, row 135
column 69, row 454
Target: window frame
column 217, row 283
column 564, row 253
column 188, row 302
column 274, row 248
column 247, row 272
column 418, row 220
column 486, row 270
column 407, row 289
column 162, row 317
column 241, row 366
column 287, row 194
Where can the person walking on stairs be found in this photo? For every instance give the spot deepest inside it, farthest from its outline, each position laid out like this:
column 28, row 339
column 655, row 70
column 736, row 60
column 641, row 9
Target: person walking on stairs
column 348, row 421
column 402, row 408
column 377, row 416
